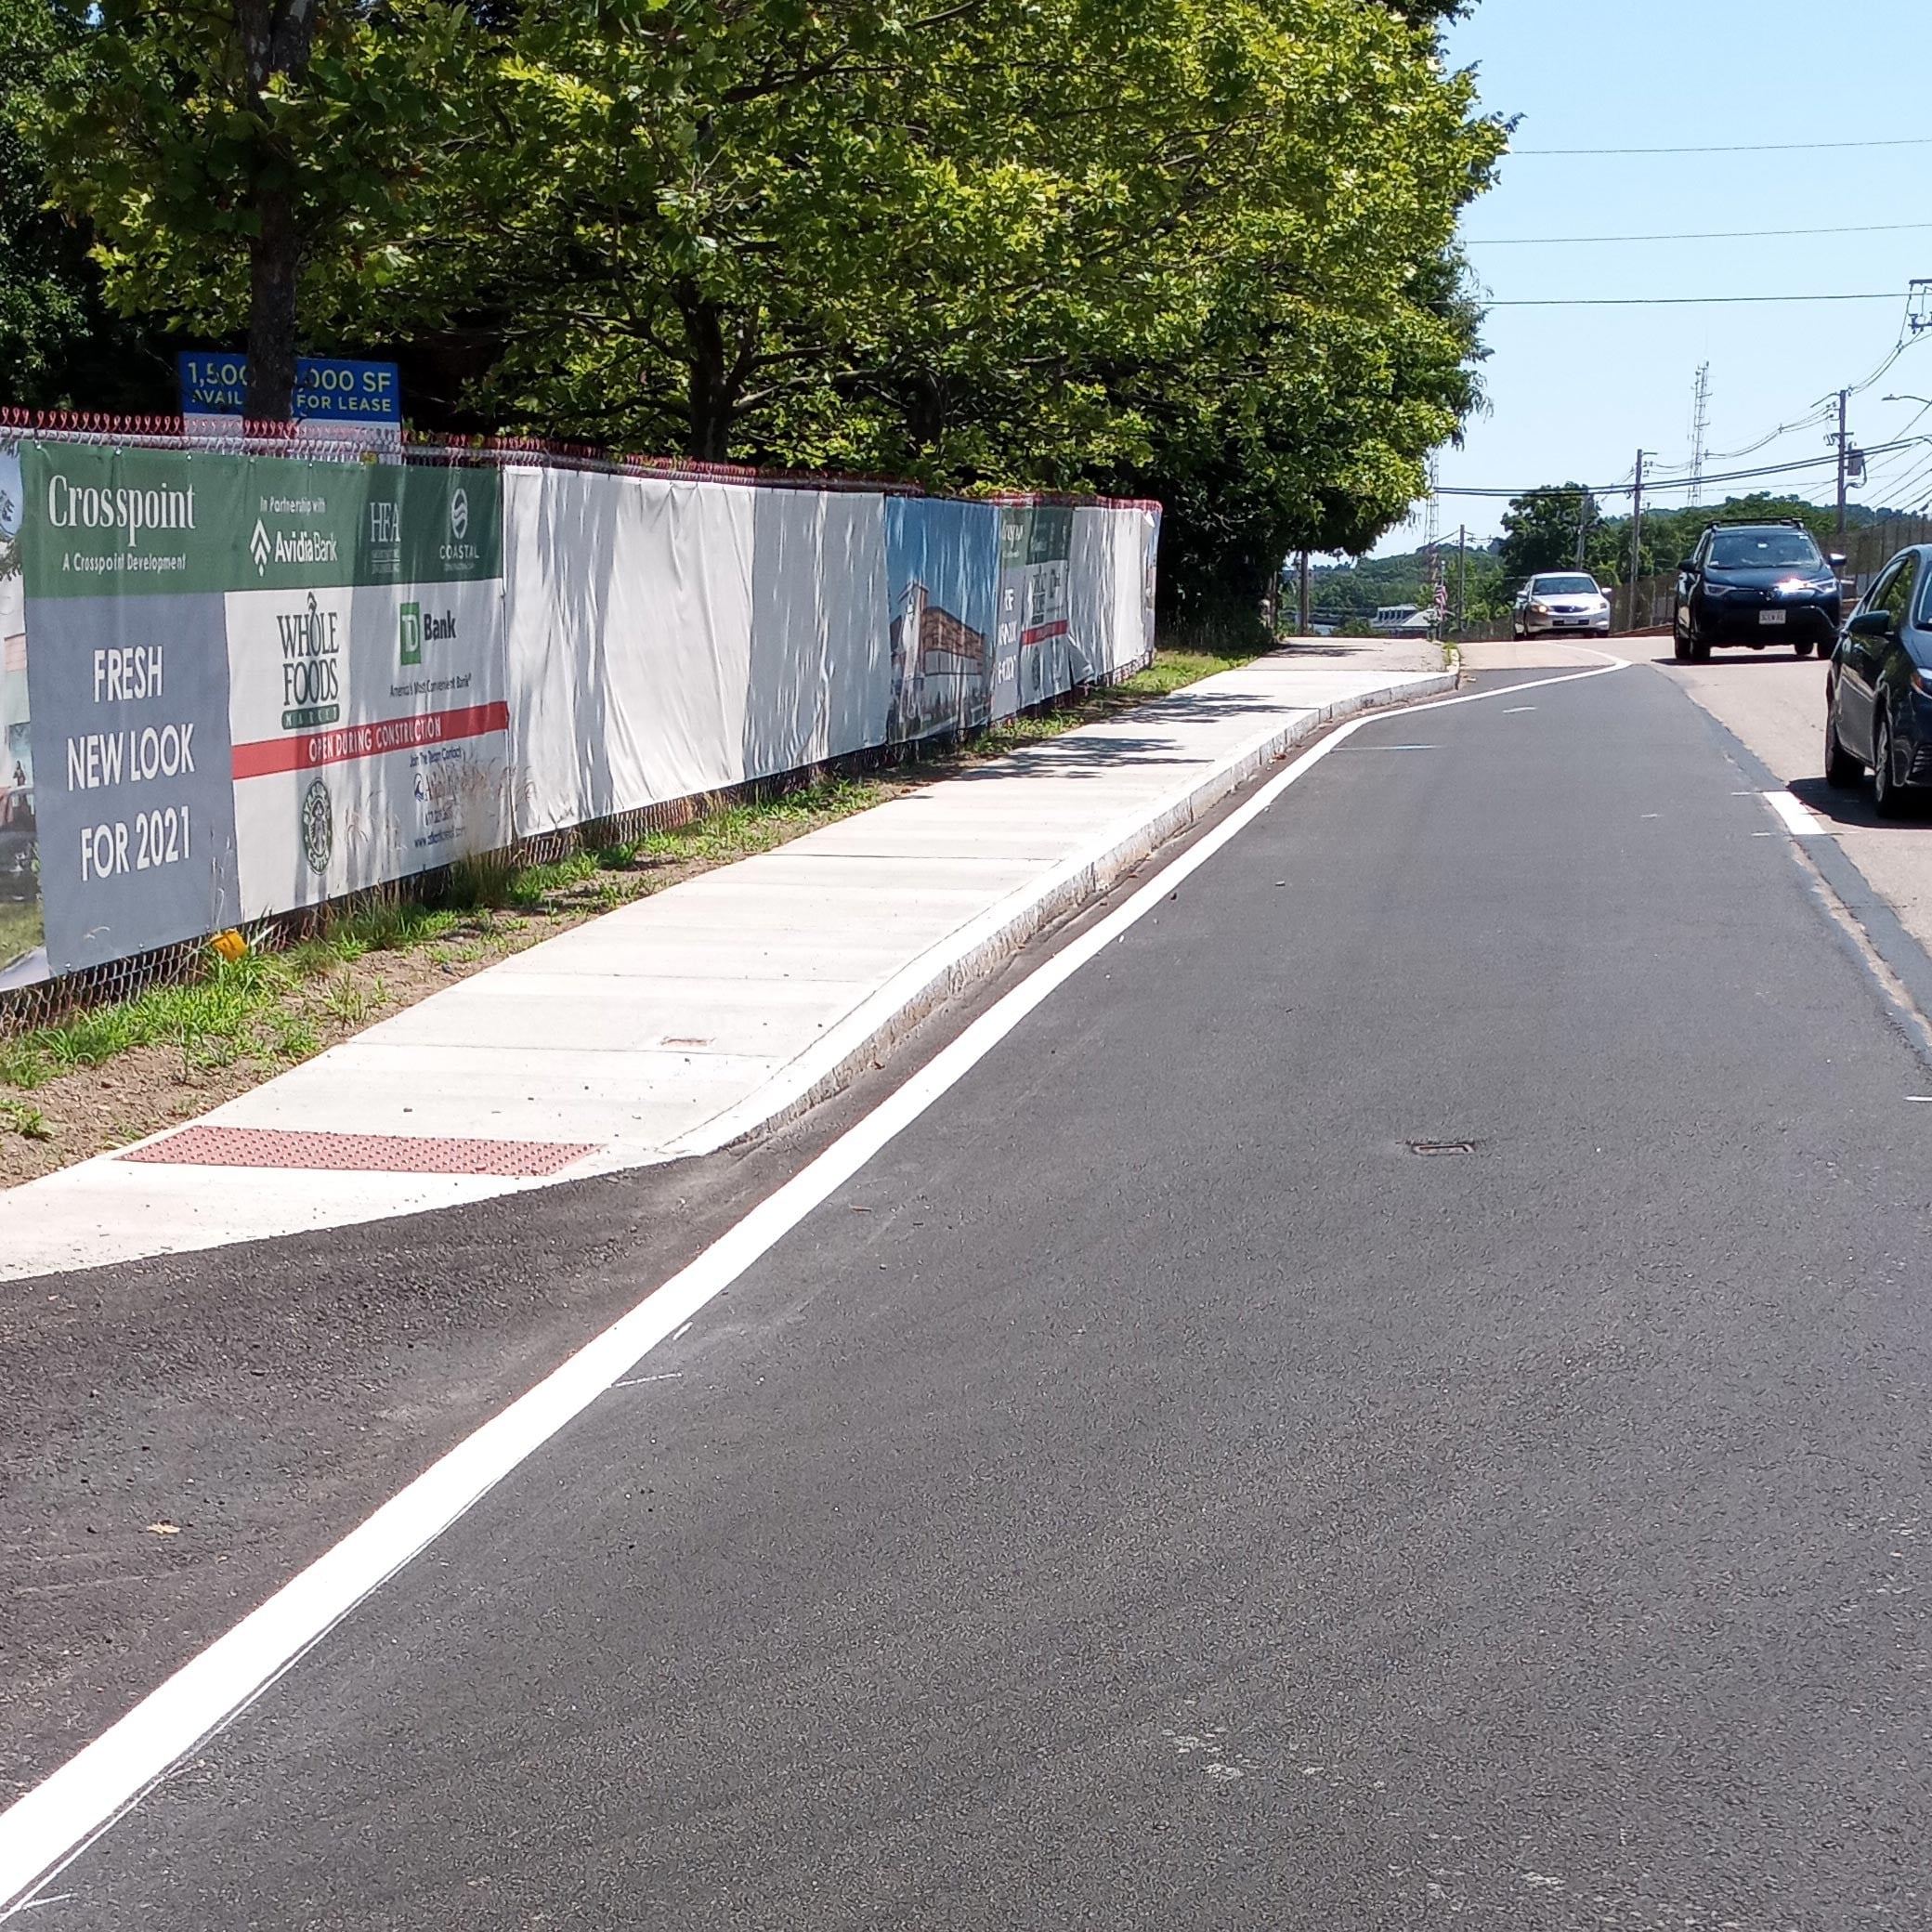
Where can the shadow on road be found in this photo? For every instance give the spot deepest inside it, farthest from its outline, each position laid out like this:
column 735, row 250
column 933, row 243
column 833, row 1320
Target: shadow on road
column 1722, row 658
column 1853, row 810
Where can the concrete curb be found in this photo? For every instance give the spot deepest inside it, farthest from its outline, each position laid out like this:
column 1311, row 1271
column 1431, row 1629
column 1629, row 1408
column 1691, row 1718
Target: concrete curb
column 985, row 943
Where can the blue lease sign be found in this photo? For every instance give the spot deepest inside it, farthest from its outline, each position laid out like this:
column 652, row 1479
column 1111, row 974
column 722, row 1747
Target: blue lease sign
column 215, row 383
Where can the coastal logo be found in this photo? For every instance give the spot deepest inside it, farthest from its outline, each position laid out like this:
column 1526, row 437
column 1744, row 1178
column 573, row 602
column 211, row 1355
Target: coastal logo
column 456, row 548
column 258, row 547
column 318, row 827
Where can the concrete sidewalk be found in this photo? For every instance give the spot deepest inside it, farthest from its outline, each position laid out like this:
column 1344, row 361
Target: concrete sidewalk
column 689, row 1019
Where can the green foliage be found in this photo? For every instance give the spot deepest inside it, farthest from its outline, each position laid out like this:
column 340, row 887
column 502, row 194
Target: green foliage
column 1356, row 590
column 216, row 144
column 1560, row 528
column 1200, row 249
column 60, row 345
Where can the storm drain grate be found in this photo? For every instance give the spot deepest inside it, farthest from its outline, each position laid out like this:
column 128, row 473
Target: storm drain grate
column 1437, row 1150
column 366, row 1154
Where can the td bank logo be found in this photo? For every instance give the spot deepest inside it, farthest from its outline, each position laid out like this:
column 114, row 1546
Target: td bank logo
column 258, row 547
column 419, row 627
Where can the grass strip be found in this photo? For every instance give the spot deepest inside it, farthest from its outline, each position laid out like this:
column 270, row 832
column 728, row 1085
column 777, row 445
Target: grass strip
column 278, row 1008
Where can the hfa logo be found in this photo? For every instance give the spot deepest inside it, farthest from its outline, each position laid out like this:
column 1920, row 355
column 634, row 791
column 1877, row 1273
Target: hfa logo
column 410, row 638
column 460, row 515
column 258, row 547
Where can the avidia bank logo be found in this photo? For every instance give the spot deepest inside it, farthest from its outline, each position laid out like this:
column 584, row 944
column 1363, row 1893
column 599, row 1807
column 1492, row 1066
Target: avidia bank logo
column 311, row 546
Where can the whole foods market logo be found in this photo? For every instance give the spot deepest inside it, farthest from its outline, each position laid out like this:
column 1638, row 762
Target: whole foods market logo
column 318, row 824
column 312, row 666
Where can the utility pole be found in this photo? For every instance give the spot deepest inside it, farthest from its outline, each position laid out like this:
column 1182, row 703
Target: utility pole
column 1700, row 430
column 1462, row 582
column 1304, row 616
column 1843, row 442
column 1636, row 535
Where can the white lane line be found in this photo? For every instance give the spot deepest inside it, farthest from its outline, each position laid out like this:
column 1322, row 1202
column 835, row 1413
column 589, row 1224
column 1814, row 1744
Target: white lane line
column 1797, row 821
column 1515, row 710
column 43, row 1832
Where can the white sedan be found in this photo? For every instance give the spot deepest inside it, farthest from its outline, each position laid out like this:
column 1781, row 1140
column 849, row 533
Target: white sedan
column 1565, row 600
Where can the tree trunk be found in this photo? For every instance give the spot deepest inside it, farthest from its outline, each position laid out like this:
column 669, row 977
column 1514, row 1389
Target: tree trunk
column 709, row 436
column 274, row 260
column 719, row 364
column 276, row 36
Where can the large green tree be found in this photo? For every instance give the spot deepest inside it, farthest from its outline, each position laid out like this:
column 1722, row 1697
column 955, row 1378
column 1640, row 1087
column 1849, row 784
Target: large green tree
column 234, row 155
column 1562, row 527
column 1196, row 249
column 62, row 346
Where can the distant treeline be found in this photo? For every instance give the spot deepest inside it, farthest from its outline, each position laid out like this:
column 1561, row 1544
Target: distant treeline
column 1540, row 532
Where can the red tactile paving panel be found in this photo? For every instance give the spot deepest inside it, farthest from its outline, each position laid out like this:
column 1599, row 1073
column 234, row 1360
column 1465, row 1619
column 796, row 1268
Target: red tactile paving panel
column 366, row 1154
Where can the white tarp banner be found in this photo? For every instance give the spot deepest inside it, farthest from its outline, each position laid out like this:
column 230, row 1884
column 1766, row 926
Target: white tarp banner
column 668, row 637
column 268, row 682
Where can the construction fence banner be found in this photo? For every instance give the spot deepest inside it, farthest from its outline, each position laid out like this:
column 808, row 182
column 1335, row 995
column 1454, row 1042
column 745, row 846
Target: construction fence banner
column 235, row 686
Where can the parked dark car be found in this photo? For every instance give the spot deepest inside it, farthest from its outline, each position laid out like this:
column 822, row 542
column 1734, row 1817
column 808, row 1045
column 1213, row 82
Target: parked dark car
column 1878, row 686
column 1757, row 584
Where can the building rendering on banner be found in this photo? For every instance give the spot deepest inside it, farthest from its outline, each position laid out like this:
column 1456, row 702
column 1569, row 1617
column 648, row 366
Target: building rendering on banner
column 940, row 665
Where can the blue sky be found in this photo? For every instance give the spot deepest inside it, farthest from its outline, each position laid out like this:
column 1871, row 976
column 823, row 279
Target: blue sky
column 1572, row 392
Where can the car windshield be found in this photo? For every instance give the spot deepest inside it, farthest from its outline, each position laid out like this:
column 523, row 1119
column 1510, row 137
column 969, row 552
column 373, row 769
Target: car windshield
column 1564, row 587
column 1765, row 550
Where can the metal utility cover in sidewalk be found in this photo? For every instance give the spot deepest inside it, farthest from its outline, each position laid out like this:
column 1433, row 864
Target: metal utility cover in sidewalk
column 369, row 1154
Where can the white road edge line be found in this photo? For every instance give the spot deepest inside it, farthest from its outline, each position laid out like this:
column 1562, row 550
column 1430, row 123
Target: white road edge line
column 1798, row 822
column 44, row 1831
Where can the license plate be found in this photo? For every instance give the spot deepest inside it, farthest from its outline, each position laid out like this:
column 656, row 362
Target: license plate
column 1770, row 617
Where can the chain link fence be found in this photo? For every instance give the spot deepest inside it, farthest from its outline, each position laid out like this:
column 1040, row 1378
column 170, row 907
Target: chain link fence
column 44, row 1000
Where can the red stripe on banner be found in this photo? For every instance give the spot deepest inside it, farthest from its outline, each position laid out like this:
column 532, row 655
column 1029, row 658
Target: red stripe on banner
column 1040, row 632
column 304, row 751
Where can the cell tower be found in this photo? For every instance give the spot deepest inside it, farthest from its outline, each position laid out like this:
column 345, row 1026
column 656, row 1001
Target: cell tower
column 1700, row 430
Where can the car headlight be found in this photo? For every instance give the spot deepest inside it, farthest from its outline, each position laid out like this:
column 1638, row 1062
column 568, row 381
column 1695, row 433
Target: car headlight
column 1539, row 608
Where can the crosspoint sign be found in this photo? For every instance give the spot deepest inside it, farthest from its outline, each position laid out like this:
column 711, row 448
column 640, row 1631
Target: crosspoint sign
column 327, row 388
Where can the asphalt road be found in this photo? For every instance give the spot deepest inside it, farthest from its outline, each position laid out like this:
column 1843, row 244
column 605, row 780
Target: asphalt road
column 1774, row 703
column 1150, row 1495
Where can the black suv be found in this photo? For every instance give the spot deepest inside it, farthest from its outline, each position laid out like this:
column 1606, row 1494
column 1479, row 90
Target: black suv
column 1756, row 583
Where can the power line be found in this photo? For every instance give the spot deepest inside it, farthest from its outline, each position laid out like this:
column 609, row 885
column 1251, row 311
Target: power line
column 1670, row 301
column 1817, row 416
column 1623, row 489
column 1760, row 147
column 1889, row 227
